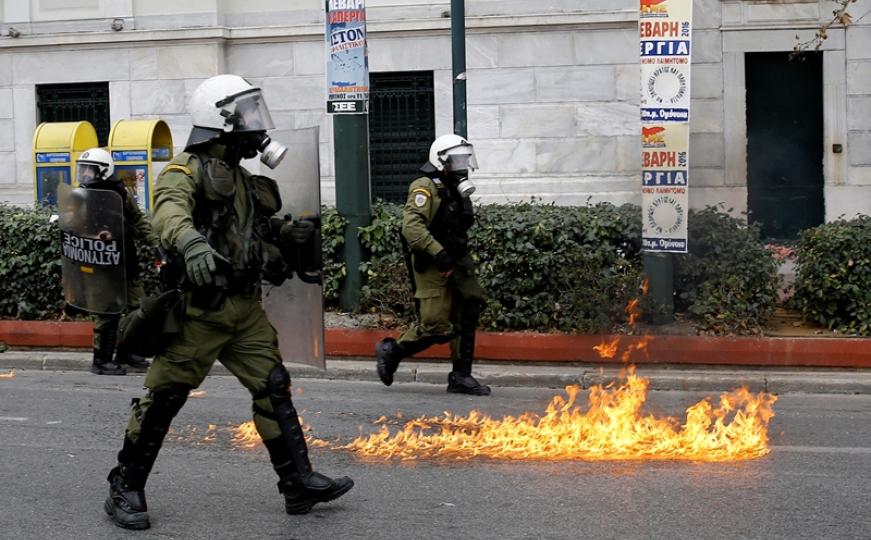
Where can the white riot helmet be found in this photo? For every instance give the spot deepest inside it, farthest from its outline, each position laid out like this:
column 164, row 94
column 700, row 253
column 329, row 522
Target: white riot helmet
column 454, row 154
column 229, row 103
column 93, row 166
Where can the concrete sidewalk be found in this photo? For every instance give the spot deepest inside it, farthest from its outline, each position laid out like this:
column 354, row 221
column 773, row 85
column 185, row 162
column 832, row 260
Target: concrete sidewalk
column 705, row 379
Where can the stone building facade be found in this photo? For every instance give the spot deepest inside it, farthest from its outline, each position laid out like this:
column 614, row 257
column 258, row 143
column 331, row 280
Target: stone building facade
column 553, row 87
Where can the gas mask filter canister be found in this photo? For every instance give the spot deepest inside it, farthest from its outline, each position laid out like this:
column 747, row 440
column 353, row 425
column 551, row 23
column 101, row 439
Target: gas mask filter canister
column 271, row 152
column 465, row 188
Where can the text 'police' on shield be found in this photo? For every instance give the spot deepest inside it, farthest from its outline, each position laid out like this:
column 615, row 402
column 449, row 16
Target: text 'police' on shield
column 91, row 250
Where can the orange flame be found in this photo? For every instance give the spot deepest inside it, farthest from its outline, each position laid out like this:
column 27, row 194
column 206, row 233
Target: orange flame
column 638, row 346
column 632, row 311
column 607, row 350
column 211, row 434
column 245, row 436
column 612, row 428
column 8, row 374
column 197, row 394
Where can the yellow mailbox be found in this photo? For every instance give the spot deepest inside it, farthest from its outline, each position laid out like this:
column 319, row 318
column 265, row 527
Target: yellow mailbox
column 141, row 149
column 56, row 147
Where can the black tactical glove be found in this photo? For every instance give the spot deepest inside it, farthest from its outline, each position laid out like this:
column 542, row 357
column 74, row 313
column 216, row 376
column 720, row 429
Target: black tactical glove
column 298, row 231
column 444, row 262
column 199, row 257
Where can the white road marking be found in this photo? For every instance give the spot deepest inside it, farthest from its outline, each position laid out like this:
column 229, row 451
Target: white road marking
column 822, row 449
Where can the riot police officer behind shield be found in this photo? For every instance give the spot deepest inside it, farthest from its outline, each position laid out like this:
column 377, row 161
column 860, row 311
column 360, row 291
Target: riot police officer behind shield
column 95, row 170
column 217, row 219
column 435, row 224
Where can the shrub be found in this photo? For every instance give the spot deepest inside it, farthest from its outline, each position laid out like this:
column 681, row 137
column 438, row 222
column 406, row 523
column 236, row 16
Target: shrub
column 544, row 267
column 387, row 290
column 548, row 267
column 30, row 269
column 728, row 281
column 833, row 275
column 332, row 240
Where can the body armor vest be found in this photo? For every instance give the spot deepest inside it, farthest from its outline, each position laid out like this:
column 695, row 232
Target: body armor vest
column 232, row 235
column 451, row 224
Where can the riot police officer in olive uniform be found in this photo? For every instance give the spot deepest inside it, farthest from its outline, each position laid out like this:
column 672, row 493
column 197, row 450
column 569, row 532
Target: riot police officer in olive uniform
column 217, row 218
column 435, row 224
column 95, row 170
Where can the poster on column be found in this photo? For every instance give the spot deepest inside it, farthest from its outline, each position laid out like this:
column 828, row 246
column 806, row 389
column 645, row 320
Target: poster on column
column 347, row 61
column 665, row 38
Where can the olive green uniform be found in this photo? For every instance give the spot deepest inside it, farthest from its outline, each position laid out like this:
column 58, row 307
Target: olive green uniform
column 237, row 334
column 440, row 298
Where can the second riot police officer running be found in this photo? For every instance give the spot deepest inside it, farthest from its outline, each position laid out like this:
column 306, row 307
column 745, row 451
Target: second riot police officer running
column 218, row 221
column 435, row 224
column 95, row 170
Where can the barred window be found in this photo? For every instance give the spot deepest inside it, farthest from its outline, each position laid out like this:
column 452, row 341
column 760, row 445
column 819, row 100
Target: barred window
column 401, row 129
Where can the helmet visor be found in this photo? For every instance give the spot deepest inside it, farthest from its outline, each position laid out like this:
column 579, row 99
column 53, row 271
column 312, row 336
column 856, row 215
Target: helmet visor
column 88, row 173
column 461, row 158
column 250, row 112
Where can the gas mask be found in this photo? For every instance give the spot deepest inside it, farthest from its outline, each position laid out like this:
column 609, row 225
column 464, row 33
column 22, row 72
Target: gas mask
column 247, row 118
column 457, row 167
column 247, row 145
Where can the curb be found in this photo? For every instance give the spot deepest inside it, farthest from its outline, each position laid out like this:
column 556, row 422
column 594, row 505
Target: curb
column 530, row 347
column 523, row 375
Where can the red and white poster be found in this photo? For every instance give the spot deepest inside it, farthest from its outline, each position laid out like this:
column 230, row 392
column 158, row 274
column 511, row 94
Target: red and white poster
column 665, row 34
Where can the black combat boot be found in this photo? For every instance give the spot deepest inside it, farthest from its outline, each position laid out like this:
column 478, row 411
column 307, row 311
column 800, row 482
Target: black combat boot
column 126, row 502
column 460, row 380
column 134, row 362
column 466, row 384
column 301, row 494
column 102, row 363
column 301, row 486
column 388, row 354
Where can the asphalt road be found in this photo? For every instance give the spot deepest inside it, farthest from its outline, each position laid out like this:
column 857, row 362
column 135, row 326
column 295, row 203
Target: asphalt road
column 59, row 433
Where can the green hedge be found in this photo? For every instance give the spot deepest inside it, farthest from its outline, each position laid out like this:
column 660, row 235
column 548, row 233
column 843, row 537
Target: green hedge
column 30, row 282
column 332, row 240
column 833, row 275
column 544, row 267
column 549, row 267
column 728, row 281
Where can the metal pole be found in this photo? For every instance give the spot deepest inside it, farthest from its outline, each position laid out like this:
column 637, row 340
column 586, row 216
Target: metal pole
column 458, row 57
column 353, row 200
column 658, row 269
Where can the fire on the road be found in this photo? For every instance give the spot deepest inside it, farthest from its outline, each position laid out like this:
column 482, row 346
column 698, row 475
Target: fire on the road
column 613, row 426
column 245, row 436
column 8, row 374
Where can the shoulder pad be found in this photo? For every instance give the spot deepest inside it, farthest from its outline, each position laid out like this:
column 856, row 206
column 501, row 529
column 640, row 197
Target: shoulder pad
column 424, row 182
column 183, row 163
column 177, row 167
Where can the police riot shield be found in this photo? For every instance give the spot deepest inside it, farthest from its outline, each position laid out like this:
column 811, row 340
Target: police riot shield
column 296, row 308
column 92, row 249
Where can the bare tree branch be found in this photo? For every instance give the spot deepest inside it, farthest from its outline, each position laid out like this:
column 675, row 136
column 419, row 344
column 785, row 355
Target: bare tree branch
column 840, row 17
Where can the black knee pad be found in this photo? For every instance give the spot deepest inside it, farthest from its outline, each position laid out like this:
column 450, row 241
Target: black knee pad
column 278, row 382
